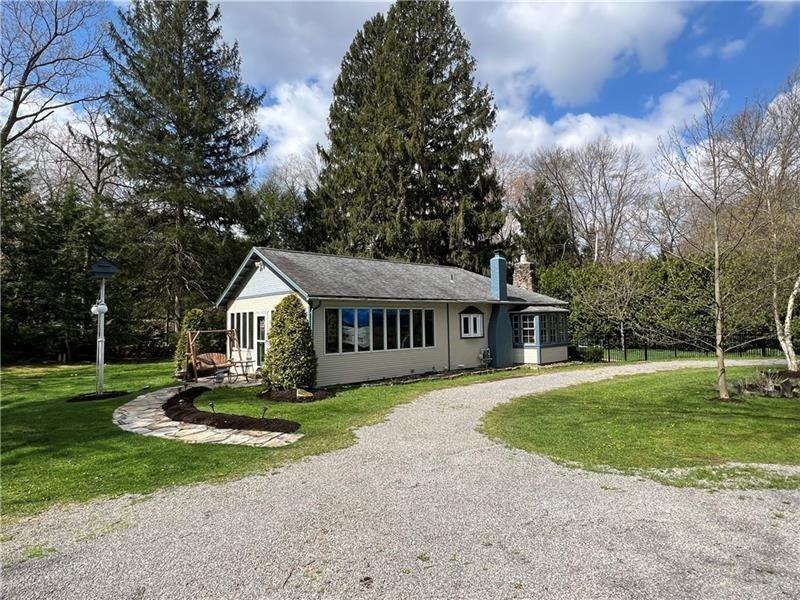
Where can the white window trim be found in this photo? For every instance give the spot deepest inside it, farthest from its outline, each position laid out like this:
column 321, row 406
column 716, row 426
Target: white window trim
column 355, row 309
column 474, row 325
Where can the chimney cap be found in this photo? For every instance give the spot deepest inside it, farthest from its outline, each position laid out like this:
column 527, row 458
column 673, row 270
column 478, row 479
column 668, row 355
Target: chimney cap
column 523, row 258
column 499, row 253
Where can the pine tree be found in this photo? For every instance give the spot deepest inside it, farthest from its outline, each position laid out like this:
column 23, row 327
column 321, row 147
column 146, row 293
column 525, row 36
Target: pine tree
column 544, row 228
column 408, row 172
column 185, row 130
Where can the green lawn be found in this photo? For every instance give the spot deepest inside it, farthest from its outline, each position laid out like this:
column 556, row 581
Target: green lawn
column 662, row 425
column 54, row 452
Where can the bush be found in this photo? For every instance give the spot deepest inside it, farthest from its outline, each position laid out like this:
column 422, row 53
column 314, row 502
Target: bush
column 291, row 361
column 591, row 354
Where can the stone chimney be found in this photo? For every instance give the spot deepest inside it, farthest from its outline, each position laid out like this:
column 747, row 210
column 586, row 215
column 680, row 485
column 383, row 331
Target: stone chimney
column 525, row 274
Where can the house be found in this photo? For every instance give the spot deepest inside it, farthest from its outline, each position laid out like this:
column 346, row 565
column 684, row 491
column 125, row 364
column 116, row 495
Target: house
column 375, row 319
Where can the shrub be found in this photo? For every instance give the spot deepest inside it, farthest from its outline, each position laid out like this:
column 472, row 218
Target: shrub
column 592, row 354
column 192, row 320
column 290, row 361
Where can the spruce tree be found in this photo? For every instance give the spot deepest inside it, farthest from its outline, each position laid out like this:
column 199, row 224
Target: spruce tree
column 544, row 234
column 184, row 127
column 408, row 172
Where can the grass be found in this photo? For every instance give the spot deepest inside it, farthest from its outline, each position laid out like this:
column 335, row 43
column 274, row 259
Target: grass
column 664, row 426
column 57, row 452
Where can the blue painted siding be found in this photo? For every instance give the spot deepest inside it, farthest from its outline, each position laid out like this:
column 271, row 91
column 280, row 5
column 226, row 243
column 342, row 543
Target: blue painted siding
column 263, row 283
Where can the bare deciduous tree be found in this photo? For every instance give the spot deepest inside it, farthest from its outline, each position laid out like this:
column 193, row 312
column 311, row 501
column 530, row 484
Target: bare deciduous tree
column 81, row 148
column 693, row 157
column 48, row 50
column 765, row 153
column 602, row 185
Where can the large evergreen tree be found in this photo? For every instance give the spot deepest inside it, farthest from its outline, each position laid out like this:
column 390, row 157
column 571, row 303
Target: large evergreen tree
column 544, row 228
column 185, row 130
column 408, row 171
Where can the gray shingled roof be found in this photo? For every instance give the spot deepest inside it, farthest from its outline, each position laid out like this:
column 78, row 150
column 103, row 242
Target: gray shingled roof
column 329, row 276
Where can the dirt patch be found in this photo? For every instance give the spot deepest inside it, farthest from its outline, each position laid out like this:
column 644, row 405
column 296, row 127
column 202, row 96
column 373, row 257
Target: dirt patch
column 91, row 396
column 181, row 408
column 291, row 395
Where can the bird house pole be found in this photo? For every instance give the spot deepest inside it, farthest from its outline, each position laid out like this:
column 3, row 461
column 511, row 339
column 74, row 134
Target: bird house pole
column 102, row 270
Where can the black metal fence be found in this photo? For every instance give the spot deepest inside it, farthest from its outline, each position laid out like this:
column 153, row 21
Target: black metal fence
column 639, row 348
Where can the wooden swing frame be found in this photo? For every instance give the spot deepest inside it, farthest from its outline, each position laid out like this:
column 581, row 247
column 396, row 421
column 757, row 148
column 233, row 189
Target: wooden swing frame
column 191, row 346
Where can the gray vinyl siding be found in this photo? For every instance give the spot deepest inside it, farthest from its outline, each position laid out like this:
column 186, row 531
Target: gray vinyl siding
column 333, row 369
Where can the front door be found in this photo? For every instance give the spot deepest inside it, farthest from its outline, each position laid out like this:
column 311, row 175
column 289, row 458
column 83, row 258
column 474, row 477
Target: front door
column 261, row 339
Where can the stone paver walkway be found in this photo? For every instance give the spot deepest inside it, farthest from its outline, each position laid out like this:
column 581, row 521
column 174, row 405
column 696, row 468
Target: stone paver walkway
column 145, row 415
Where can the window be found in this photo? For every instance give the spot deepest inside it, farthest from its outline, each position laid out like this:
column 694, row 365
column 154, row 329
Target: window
column 524, row 327
column 405, row 328
column 392, row 329
column 364, row 330
column 377, row 329
column 331, row 330
column 416, row 327
column 239, row 329
column 471, row 323
column 348, row 330
column 250, row 331
column 429, row 336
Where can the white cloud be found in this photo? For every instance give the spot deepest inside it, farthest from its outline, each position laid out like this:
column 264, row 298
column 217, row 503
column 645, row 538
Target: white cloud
column 725, row 50
column 732, row 48
column 291, row 41
column 567, row 50
column 774, row 14
column 518, row 132
column 296, row 118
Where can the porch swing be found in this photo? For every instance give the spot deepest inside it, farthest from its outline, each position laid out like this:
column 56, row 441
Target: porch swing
column 216, row 364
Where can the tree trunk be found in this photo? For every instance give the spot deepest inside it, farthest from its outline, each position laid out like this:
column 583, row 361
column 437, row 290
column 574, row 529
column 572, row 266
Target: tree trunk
column 623, row 341
column 784, row 330
column 719, row 321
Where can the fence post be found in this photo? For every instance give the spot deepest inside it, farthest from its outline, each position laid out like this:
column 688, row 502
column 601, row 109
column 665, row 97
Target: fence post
column 645, row 350
column 675, row 348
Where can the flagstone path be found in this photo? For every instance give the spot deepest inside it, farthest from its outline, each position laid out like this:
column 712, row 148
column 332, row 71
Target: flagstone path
column 145, row 415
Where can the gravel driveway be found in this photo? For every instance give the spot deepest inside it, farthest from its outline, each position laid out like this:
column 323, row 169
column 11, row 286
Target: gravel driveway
column 424, row 506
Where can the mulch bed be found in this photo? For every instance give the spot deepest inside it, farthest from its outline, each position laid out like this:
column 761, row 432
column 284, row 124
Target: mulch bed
column 291, row 395
column 91, row 396
column 181, row 408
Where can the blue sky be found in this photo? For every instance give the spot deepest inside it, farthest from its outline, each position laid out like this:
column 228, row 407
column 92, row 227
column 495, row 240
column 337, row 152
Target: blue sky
column 561, row 73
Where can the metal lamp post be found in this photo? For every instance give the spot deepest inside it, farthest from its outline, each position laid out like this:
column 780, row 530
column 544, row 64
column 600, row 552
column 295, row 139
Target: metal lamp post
column 103, row 269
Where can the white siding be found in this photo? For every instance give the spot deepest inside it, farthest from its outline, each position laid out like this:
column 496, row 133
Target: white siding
column 526, row 356
column 258, row 306
column 553, row 354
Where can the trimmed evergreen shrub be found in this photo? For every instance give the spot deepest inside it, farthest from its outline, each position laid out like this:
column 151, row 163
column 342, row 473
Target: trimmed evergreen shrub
column 290, row 361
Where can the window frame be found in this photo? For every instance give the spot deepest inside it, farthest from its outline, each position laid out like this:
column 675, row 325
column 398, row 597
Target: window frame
column 475, row 326
column 389, row 314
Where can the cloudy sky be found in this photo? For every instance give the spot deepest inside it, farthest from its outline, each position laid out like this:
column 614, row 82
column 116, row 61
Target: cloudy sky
column 561, row 73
